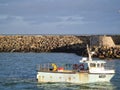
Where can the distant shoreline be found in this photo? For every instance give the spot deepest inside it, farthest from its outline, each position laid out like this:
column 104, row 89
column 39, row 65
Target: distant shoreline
column 60, row 34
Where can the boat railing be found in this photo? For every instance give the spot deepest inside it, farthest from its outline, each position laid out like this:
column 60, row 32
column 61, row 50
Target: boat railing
column 43, row 67
column 52, row 67
column 109, row 67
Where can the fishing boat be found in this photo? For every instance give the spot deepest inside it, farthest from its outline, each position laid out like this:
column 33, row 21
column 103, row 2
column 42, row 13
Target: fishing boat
column 86, row 70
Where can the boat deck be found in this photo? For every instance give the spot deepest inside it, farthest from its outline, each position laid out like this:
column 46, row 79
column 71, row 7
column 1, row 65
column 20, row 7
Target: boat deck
column 62, row 71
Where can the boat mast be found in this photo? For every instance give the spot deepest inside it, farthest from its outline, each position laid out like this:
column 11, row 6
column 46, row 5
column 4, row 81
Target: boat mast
column 89, row 53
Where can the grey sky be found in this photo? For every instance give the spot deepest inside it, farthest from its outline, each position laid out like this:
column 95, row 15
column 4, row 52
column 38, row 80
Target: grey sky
column 59, row 16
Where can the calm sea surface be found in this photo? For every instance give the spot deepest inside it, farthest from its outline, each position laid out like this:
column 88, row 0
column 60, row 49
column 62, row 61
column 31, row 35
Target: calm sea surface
column 18, row 72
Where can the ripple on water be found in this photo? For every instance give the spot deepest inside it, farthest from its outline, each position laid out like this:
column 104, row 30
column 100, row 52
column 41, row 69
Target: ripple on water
column 18, row 72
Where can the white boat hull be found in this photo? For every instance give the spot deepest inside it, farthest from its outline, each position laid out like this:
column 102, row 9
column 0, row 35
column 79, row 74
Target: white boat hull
column 78, row 77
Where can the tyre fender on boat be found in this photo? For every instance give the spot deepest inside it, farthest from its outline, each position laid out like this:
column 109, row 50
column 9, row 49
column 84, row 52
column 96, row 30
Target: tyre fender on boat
column 81, row 66
column 75, row 66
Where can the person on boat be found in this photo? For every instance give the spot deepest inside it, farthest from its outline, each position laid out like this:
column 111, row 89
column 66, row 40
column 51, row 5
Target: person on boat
column 53, row 67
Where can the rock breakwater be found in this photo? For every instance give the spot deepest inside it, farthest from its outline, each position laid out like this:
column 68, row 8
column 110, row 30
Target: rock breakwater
column 39, row 43
column 106, row 52
column 62, row 43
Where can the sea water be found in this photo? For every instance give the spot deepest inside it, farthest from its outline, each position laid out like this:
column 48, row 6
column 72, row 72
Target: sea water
column 18, row 72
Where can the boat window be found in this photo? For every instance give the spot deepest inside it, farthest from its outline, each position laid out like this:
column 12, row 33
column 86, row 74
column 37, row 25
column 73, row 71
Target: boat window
column 92, row 65
column 98, row 65
column 102, row 64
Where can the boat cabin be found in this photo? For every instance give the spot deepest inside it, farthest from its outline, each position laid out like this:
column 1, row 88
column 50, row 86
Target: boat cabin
column 94, row 65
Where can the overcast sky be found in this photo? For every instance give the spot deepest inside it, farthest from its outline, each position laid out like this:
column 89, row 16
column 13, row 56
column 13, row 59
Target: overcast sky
column 59, row 16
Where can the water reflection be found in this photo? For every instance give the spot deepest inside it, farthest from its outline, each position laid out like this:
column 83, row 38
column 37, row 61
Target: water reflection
column 116, row 79
column 67, row 86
